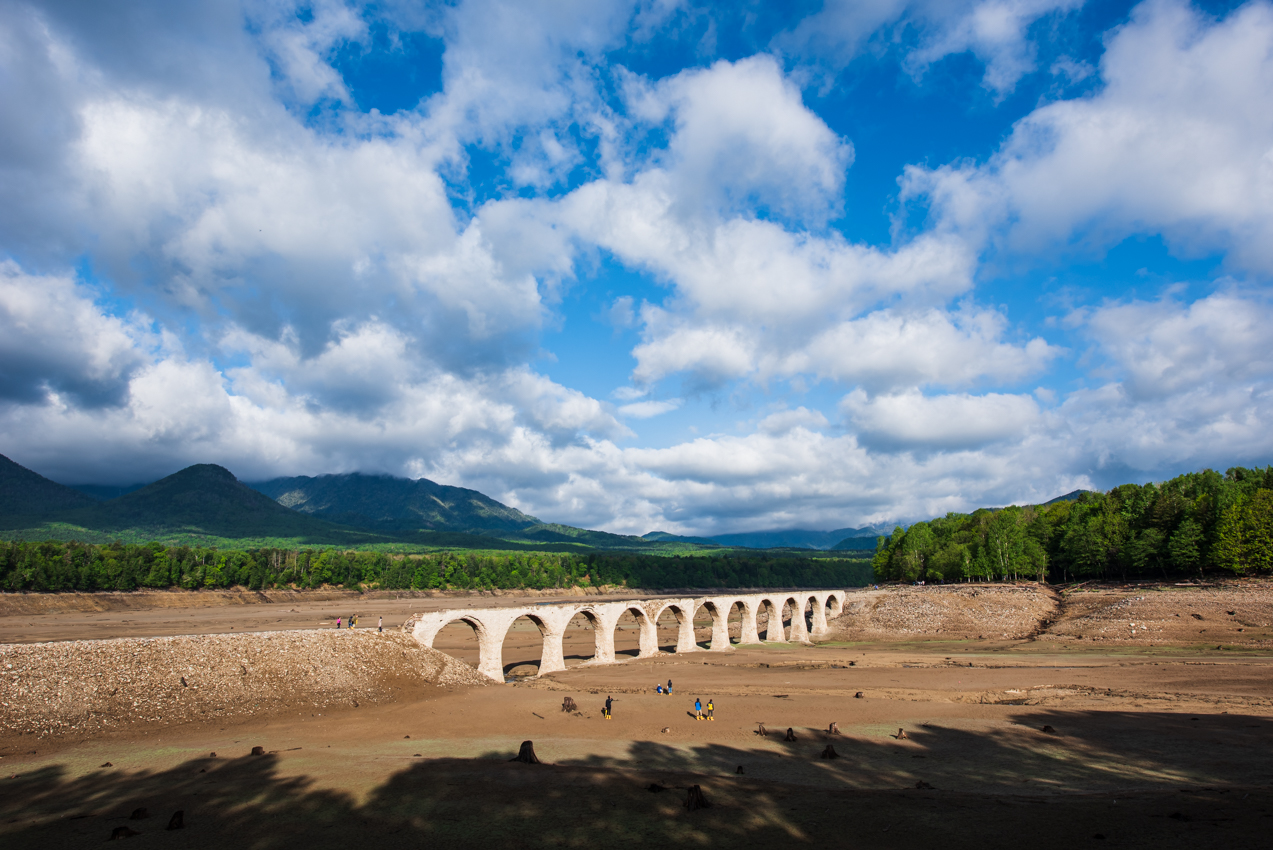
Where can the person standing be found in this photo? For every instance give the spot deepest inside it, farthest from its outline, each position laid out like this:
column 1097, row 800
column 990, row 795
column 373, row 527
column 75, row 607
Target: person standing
column 609, row 700
column 380, row 627
column 669, row 687
column 710, row 709
column 698, row 709
column 338, row 622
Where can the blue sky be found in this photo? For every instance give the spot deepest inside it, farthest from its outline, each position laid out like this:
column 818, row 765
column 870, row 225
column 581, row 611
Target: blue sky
column 641, row 265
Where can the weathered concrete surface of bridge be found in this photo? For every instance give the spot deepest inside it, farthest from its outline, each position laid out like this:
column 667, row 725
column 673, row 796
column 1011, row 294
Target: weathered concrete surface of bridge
column 492, row 624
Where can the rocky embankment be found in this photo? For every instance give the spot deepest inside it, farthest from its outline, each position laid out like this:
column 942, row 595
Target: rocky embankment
column 949, row 612
column 1234, row 614
column 90, row 687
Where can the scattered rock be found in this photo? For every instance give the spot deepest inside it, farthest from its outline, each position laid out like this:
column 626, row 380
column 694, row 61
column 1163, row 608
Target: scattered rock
column 859, row 695
column 830, row 753
column 655, row 788
column 178, row 820
column 212, row 755
column 666, row 729
column 526, row 755
column 1049, row 730
column 406, row 737
column 695, row 800
column 108, row 764
column 924, row 786
column 184, row 683
column 121, row 832
column 740, row 770
column 1196, row 616
column 139, row 814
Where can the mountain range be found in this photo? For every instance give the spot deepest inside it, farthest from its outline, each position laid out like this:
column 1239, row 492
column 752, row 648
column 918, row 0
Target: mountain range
column 790, row 538
column 206, row 504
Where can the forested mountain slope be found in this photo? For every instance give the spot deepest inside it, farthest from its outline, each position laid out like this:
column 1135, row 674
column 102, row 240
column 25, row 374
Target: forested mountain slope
column 1191, row 524
column 385, row 503
column 24, row 493
column 202, row 501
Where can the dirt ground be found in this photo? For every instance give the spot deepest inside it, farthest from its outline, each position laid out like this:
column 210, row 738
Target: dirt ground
column 1042, row 739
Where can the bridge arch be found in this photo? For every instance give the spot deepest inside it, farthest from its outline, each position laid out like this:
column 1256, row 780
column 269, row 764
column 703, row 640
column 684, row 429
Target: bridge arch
column 684, row 616
column 771, row 607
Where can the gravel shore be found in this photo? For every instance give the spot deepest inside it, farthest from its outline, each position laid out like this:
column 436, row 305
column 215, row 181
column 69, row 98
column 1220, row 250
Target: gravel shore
column 90, row 687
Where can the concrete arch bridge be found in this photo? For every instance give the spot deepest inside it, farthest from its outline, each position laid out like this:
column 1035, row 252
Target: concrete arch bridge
column 809, row 612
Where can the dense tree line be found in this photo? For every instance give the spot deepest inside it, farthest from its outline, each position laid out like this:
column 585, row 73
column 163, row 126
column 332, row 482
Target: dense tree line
column 1192, row 524
column 55, row 565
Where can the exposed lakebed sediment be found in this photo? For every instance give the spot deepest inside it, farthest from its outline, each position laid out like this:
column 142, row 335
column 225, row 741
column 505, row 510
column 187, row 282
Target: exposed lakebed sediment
column 90, row 687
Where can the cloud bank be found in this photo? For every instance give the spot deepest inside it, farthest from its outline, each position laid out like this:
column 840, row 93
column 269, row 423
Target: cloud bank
column 214, row 251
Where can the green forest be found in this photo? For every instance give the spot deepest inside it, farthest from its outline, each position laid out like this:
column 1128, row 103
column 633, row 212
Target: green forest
column 61, row 566
column 1197, row 523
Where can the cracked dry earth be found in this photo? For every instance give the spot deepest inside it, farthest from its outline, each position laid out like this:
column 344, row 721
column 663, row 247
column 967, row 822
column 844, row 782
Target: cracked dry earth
column 1153, row 740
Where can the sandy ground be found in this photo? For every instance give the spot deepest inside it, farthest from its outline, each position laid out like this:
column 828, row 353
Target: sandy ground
column 1158, row 741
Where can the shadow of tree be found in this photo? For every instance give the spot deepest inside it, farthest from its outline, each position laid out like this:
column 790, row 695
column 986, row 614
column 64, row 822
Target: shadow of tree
column 1086, row 752
column 787, row 794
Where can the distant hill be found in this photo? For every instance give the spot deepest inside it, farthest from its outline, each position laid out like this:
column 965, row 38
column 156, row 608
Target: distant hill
column 385, row 503
column 667, row 536
column 796, row 538
column 855, row 544
column 25, row 494
column 202, row 501
column 1069, row 497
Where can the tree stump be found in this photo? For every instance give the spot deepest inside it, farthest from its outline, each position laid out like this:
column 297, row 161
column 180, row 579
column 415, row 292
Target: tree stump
column 833, row 729
column 526, row 755
column 568, row 705
column 139, row 814
column 740, row 769
column 901, row 734
column 1049, row 730
column 791, row 734
column 859, row 695
column 258, row 751
column 121, row 832
column 762, row 731
column 178, row 820
column 695, row 800
column 830, row 753
column 923, row 786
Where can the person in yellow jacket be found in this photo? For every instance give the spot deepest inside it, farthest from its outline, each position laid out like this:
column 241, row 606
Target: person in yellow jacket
column 710, row 709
